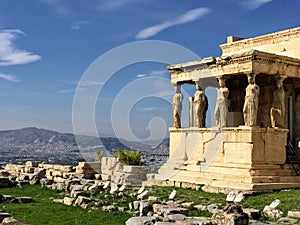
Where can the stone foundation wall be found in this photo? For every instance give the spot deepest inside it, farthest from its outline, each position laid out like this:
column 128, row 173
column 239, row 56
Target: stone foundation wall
column 241, row 158
column 239, row 145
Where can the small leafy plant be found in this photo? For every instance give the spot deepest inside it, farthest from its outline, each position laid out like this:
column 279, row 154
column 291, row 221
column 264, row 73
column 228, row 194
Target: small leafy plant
column 130, row 157
column 99, row 156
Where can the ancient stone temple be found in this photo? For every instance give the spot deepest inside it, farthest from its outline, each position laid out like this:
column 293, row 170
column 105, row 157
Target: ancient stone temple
column 253, row 144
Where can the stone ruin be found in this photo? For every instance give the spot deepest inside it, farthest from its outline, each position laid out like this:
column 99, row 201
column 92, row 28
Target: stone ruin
column 80, row 182
column 255, row 143
column 110, row 169
column 109, row 174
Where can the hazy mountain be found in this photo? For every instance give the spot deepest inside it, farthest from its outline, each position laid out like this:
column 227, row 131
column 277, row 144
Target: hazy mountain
column 45, row 145
column 33, row 134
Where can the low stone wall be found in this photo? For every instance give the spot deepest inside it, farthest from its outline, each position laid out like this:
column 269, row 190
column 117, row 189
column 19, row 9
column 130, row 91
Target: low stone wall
column 114, row 170
column 110, row 169
column 88, row 170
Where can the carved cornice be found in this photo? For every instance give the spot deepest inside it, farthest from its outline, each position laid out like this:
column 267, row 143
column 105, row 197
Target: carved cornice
column 258, row 56
column 249, row 61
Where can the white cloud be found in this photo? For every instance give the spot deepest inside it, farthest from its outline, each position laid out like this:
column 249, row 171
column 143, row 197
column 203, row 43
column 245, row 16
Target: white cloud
column 10, row 54
column 141, row 75
column 66, row 91
column 8, row 77
column 153, row 73
column 73, row 90
column 58, row 6
column 253, row 4
column 147, row 109
column 90, row 83
column 158, row 72
column 78, row 25
column 82, row 86
column 189, row 16
column 109, row 5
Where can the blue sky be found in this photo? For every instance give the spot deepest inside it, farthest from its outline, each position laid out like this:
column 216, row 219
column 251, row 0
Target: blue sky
column 46, row 46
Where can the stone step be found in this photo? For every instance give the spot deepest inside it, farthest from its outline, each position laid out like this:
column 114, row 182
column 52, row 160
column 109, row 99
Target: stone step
column 209, row 178
column 170, row 166
column 272, row 172
column 275, row 186
column 293, row 179
column 213, row 185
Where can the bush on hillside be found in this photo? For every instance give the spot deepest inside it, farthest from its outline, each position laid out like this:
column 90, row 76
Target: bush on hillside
column 130, row 157
column 99, row 156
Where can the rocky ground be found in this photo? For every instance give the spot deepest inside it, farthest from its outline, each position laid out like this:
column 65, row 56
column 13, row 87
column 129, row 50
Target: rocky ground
column 146, row 209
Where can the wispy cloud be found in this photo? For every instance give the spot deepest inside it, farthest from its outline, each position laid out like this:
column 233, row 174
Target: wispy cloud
column 72, row 90
column 8, row 77
column 253, row 4
column 10, row 54
column 147, row 109
column 90, row 83
column 109, row 5
column 141, row 75
column 82, row 87
column 158, row 72
column 58, row 6
column 153, row 73
column 78, row 25
column 66, row 91
column 187, row 17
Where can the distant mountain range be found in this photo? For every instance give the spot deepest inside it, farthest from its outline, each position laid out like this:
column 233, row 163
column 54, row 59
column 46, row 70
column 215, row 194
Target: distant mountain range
column 32, row 135
column 47, row 145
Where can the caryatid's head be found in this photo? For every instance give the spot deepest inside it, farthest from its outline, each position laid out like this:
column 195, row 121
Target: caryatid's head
column 177, row 88
column 221, row 80
column 251, row 78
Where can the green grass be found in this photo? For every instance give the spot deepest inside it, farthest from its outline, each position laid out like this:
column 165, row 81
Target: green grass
column 289, row 200
column 43, row 211
column 188, row 195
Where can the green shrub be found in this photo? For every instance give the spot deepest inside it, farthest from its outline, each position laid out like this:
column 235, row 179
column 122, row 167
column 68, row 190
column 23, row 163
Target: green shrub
column 130, row 157
column 99, row 156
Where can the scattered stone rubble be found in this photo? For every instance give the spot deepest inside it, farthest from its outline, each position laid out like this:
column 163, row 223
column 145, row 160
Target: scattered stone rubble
column 231, row 214
column 272, row 211
column 5, row 217
column 79, row 185
column 9, row 198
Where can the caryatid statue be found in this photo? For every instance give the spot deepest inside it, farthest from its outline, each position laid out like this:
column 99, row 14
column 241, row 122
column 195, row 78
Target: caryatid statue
column 200, row 106
column 221, row 109
column 251, row 101
column 177, row 106
column 277, row 112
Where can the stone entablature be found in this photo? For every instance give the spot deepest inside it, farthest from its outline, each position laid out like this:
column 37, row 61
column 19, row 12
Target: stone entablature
column 285, row 42
column 252, row 61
